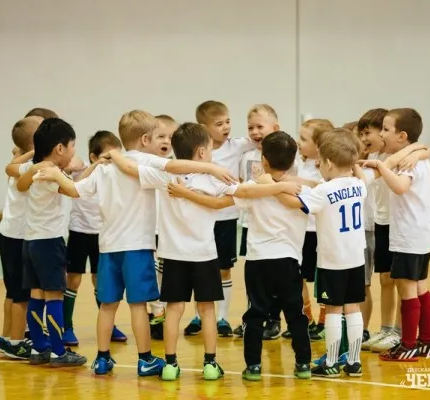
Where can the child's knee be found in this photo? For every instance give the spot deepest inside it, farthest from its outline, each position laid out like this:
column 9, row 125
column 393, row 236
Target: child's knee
column 74, row 281
column 386, row 279
column 206, row 308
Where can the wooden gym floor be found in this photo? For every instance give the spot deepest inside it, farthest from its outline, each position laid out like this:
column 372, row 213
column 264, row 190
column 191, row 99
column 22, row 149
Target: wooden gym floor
column 380, row 380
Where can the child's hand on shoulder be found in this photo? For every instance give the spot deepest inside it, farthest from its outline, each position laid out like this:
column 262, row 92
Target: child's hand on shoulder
column 292, row 188
column 47, row 173
column 109, row 154
column 374, row 164
column 222, row 174
column 177, row 189
column 409, row 162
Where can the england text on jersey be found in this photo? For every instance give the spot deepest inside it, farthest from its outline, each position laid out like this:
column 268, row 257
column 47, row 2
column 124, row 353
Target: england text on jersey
column 342, row 194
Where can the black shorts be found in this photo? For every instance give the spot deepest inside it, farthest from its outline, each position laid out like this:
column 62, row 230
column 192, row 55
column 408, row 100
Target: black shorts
column 309, row 262
column 243, row 240
column 338, row 287
column 410, row 266
column 45, row 262
column 181, row 278
column 13, row 267
column 383, row 256
column 80, row 247
column 226, row 243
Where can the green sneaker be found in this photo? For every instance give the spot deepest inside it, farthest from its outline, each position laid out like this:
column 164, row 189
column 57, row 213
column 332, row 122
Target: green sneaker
column 303, row 371
column 212, row 371
column 170, row 372
column 252, row 373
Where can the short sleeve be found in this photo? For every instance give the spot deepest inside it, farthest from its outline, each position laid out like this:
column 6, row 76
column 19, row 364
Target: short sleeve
column 23, row 168
column 222, row 189
column 369, row 174
column 242, row 145
column 151, row 160
column 313, row 200
column 241, row 203
column 152, row 178
column 87, row 187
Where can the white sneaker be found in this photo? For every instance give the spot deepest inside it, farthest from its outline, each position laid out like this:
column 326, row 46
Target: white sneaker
column 375, row 338
column 391, row 340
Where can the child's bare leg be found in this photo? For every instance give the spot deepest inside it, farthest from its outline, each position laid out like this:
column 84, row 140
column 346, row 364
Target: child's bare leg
column 207, row 313
column 105, row 322
column 174, row 314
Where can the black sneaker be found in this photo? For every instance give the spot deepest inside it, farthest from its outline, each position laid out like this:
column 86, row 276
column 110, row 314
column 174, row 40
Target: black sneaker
column 224, row 328
column 194, row 327
column 37, row 358
column 354, row 370
column 325, row 371
column 20, row 351
column 313, row 327
column 423, row 349
column 318, row 334
column 252, row 373
column 272, row 330
column 238, row 331
column 287, row 334
column 366, row 335
column 157, row 331
column 303, row 371
column 68, row 359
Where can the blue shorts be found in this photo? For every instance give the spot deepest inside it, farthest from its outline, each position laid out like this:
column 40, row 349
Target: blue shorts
column 133, row 271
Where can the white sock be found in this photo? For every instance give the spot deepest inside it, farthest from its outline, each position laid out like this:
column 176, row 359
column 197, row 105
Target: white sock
column 157, row 308
column 15, row 342
column 7, row 338
column 354, row 325
column 196, row 310
column 333, row 336
column 224, row 305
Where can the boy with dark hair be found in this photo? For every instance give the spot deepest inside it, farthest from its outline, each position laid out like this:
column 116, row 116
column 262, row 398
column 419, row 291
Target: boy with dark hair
column 44, row 250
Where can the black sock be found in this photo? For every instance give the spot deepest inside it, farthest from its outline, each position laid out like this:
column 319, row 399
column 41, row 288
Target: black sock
column 104, row 354
column 209, row 358
column 145, row 356
column 171, row 359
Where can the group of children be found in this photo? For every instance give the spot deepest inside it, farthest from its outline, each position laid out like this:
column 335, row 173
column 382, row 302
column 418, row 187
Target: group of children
column 309, row 213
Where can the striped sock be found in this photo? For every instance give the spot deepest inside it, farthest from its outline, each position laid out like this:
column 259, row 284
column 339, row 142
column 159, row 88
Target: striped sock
column 55, row 323
column 224, row 305
column 333, row 336
column 35, row 323
column 354, row 323
column 69, row 306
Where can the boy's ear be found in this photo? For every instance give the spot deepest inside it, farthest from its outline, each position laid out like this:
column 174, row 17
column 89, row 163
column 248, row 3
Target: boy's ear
column 93, row 157
column 403, row 136
column 276, row 127
column 146, row 140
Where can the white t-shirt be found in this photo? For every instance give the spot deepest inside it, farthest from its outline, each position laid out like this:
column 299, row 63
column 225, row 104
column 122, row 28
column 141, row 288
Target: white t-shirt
column 229, row 156
column 46, row 211
column 382, row 196
column 410, row 213
column 127, row 212
column 274, row 231
column 338, row 207
column 308, row 170
column 186, row 230
column 85, row 214
column 13, row 222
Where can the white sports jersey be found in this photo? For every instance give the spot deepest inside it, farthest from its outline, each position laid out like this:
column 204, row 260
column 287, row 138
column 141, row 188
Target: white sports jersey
column 338, row 207
column 13, row 223
column 382, row 196
column 127, row 212
column 410, row 213
column 85, row 215
column 308, row 170
column 186, row 230
column 274, row 231
column 229, row 156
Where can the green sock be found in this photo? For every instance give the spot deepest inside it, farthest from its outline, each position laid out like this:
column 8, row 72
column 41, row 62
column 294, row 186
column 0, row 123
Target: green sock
column 344, row 344
column 97, row 300
column 68, row 307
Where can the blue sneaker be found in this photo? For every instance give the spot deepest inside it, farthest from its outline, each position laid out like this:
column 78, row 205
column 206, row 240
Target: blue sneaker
column 102, row 366
column 69, row 337
column 4, row 345
column 224, row 328
column 343, row 358
column 194, row 327
column 150, row 368
column 117, row 335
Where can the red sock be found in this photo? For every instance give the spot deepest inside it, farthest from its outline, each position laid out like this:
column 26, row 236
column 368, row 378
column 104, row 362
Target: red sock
column 425, row 317
column 410, row 310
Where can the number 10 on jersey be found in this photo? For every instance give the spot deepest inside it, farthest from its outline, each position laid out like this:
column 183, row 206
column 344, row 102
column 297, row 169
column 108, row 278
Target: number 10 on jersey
column 351, row 217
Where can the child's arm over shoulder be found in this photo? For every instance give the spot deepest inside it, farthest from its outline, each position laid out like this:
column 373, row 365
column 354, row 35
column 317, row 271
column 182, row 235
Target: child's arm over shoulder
column 13, row 168
column 244, row 144
column 408, row 157
column 398, row 183
column 26, row 177
column 66, row 185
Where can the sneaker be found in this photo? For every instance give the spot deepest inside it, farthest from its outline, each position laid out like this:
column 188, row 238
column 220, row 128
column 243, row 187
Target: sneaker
column 286, row 334
column 252, row 373
column 102, row 366
column 212, row 371
column 69, row 338
column 272, row 330
column 20, row 351
column 194, row 327
column 37, row 358
column 325, row 371
column 377, row 337
column 150, row 368
column 158, row 319
column 3, row 344
column 117, row 335
column 354, row 370
column 312, row 327
column 387, row 343
column 224, row 328
column 423, row 349
column 68, row 359
column 343, row 358
column 157, row 331
column 400, row 353
column 318, row 334
column 302, row 371
column 366, row 336
column 238, row 331
column 170, row 372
